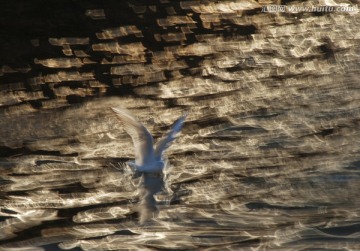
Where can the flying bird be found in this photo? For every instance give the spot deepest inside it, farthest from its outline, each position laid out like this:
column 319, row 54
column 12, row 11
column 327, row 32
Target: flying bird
column 149, row 159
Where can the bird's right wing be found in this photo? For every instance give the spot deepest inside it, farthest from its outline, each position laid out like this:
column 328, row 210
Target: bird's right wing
column 142, row 139
column 165, row 142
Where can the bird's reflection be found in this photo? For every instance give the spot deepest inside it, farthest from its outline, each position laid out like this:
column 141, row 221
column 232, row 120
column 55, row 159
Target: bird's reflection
column 149, row 185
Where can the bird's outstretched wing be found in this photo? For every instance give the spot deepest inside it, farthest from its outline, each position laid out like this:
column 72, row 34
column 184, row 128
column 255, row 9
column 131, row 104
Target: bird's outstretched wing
column 142, row 139
column 165, row 142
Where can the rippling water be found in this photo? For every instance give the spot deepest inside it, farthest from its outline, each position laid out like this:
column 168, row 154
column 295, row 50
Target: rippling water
column 268, row 158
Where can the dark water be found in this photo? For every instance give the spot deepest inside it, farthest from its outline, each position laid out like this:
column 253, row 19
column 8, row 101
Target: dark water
column 269, row 156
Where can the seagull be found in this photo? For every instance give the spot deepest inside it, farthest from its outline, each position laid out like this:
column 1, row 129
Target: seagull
column 149, row 161
column 148, row 157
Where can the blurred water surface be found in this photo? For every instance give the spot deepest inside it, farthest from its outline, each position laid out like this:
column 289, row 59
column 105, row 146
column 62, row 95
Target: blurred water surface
column 268, row 159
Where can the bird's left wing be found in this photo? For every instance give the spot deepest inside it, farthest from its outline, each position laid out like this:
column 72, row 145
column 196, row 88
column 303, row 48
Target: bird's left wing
column 142, row 139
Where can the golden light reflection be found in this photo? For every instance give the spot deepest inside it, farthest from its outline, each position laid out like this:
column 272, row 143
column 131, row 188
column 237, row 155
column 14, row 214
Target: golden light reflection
column 268, row 158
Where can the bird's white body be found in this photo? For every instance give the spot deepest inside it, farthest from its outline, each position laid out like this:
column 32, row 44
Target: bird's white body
column 150, row 167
